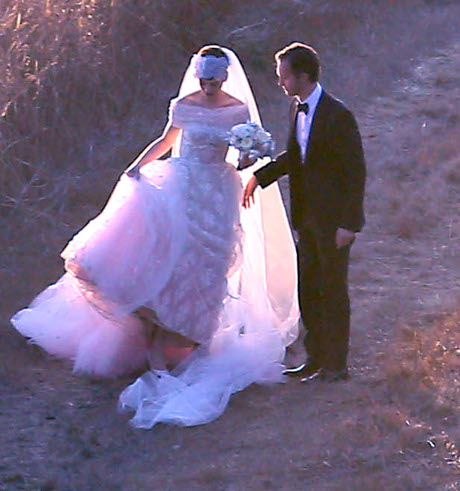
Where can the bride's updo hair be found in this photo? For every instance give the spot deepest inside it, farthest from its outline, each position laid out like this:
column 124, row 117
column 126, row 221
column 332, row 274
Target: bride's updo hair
column 212, row 50
column 211, row 62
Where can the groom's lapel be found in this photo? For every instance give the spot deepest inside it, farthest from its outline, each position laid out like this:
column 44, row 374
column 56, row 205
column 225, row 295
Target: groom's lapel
column 318, row 125
column 293, row 144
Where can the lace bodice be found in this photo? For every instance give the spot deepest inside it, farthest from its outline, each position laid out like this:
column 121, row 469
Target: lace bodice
column 204, row 130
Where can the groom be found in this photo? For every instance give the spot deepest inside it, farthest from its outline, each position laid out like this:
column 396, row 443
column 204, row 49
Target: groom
column 325, row 163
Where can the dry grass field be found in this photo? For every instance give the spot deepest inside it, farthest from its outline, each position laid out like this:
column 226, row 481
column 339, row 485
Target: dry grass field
column 85, row 85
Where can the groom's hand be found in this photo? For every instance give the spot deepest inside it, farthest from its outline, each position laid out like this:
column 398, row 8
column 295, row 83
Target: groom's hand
column 248, row 194
column 344, row 237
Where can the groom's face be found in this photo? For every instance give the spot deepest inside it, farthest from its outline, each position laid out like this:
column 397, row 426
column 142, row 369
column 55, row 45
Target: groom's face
column 291, row 83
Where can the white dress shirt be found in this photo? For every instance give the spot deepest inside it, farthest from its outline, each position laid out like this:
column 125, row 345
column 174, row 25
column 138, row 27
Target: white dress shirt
column 304, row 120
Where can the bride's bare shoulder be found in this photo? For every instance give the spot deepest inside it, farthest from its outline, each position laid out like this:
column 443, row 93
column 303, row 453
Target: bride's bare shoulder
column 190, row 99
column 232, row 101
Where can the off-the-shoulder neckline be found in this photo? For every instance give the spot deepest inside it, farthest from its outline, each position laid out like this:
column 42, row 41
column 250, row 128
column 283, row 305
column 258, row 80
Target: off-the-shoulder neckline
column 241, row 105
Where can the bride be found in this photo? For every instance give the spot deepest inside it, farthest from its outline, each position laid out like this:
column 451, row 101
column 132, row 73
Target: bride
column 173, row 274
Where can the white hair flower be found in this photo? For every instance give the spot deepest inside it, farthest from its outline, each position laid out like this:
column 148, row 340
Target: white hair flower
column 211, row 67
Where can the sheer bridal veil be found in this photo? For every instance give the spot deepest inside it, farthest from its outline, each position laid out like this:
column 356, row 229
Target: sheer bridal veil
column 260, row 314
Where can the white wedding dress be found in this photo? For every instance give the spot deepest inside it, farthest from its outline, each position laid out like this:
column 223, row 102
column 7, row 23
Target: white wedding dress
column 177, row 241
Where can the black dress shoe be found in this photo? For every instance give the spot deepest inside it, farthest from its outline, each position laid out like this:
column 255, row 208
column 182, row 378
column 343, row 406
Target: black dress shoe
column 304, row 370
column 327, row 375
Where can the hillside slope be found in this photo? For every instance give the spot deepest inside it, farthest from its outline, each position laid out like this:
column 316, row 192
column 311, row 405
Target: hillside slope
column 394, row 425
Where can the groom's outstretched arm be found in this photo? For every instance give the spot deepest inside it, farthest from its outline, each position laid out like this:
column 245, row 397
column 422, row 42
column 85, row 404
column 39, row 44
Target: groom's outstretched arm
column 273, row 170
column 265, row 176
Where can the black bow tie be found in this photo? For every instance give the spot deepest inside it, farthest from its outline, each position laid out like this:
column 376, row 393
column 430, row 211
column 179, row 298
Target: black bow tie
column 303, row 107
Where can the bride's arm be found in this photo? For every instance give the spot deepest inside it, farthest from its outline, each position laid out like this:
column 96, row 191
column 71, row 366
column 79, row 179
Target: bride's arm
column 155, row 150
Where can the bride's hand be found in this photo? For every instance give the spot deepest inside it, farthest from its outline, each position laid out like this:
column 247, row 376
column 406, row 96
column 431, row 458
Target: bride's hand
column 248, row 194
column 133, row 172
column 245, row 161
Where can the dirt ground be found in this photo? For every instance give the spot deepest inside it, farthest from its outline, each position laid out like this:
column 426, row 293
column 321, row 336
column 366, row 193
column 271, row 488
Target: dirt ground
column 393, row 426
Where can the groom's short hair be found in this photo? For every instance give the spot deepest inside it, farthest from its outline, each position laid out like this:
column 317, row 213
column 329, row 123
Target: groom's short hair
column 302, row 59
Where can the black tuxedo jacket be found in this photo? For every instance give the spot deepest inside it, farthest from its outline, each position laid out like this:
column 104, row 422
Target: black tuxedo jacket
column 328, row 188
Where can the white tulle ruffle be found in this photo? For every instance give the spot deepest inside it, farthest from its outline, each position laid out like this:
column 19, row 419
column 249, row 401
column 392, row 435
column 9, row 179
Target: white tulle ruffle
column 64, row 322
column 199, row 391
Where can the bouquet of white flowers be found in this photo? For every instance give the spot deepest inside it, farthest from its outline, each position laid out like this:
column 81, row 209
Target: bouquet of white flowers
column 252, row 141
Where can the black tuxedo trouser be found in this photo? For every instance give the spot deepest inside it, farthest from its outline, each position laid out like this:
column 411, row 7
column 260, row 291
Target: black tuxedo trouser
column 323, row 297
